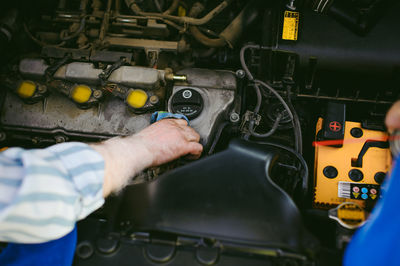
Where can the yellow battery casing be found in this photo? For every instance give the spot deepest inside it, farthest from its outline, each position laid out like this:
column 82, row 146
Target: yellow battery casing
column 375, row 160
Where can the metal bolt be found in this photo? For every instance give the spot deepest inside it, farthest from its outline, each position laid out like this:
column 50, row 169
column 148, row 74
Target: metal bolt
column 42, row 89
column 97, row 94
column 291, row 5
column 154, row 99
column 234, row 117
column 179, row 77
column 2, row 136
column 240, row 73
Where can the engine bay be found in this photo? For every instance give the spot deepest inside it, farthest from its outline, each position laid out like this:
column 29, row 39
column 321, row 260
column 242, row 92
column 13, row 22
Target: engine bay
column 289, row 98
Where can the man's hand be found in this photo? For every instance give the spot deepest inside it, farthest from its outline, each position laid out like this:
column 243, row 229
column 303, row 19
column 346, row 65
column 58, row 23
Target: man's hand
column 393, row 117
column 170, row 139
column 159, row 143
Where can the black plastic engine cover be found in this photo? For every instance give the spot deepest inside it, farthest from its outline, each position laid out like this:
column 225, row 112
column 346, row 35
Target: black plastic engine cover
column 329, row 54
column 228, row 196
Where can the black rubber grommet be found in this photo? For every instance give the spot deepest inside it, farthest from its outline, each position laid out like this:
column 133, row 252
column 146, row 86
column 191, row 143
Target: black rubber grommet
column 356, row 132
column 330, row 172
column 379, row 177
column 356, row 175
column 84, row 250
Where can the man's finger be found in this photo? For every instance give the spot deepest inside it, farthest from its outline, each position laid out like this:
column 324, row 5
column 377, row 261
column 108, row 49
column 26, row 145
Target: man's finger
column 181, row 122
column 194, row 149
column 393, row 117
column 190, row 134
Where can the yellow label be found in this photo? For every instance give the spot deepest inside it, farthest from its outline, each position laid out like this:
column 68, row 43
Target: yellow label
column 290, row 26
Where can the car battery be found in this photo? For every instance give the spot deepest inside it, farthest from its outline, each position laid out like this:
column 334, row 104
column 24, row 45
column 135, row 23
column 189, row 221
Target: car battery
column 351, row 167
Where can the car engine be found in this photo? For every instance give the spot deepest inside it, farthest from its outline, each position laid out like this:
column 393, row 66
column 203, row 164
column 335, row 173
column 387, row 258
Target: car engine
column 288, row 96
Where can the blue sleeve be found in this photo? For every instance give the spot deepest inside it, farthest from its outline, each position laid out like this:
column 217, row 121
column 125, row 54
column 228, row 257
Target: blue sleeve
column 378, row 241
column 58, row 252
column 43, row 192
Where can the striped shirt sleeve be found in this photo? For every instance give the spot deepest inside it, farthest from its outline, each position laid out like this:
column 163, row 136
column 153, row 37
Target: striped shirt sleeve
column 43, row 192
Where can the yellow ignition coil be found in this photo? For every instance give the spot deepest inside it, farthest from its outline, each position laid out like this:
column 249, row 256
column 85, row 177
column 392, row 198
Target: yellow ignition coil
column 137, row 98
column 81, row 94
column 26, row 89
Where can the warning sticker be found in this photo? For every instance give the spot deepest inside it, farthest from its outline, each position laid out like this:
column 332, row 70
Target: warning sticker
column 290, row 26
column 358, row 191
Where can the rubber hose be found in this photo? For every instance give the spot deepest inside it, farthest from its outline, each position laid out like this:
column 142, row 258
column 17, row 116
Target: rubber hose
column 172, row 8
column 231, row 33
column 192, row 21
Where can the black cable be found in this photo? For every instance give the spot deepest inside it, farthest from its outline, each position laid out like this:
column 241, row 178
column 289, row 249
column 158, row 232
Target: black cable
column 277, row 95
column 77, row 32
column 287, row 108
column 255, row 85
column 259, row 96
column 158, row 6
column 297, row 124
column 269, row 133
column 51, row 70
column 250, row 76
column 39, row 42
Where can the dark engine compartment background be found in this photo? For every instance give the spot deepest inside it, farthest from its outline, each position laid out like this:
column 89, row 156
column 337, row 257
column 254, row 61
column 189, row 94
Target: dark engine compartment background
column 347, row 52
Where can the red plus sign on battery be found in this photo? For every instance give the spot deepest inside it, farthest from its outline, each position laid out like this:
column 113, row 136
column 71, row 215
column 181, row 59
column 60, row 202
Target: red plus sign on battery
column 335, row 126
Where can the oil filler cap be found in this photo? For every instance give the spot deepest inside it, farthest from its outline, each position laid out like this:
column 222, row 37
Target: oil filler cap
column 187, row 102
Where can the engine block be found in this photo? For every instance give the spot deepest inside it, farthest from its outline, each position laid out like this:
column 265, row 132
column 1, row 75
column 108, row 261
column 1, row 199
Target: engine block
column 58, row 115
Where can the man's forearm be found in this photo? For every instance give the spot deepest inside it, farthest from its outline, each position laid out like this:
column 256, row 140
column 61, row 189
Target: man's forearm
column 124, row 158
column 159, row 143
column 44, row 192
